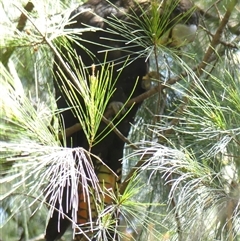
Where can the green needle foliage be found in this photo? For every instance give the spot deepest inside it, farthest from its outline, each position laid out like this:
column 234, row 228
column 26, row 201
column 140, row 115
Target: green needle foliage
column 200, row 161
column 33, row 162
column 93, row 90
column 186, row 187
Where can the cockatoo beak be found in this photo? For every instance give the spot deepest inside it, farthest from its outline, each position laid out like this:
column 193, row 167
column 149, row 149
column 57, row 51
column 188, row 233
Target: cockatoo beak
column 182, row 34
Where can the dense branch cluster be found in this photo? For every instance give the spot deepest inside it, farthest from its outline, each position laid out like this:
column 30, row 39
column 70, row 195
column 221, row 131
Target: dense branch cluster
column 109, row 42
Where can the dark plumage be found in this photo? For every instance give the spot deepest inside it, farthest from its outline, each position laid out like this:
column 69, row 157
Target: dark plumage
column 95, row 13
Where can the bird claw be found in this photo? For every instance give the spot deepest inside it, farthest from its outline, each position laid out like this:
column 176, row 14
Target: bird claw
column 150, row 77
column 117, row 107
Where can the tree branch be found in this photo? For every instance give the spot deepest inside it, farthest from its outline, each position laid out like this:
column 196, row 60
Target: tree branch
column 199, row 71
column 216, row 38
column 233, row 27
column 21, row 24
column 23, row 18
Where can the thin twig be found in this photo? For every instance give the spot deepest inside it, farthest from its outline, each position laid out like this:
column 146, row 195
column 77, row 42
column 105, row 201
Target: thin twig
column 38, row 238
column 118, row 133
column 226, row 44
column 133, row 171
column 234, row 29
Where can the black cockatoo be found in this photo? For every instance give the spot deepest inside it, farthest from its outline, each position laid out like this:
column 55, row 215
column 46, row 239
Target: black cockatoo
column 108, row 44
